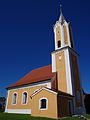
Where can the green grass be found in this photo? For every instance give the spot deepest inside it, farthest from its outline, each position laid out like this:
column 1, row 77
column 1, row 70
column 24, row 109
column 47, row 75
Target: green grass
column 87, row 116
column 7, row 116
column 73, row 118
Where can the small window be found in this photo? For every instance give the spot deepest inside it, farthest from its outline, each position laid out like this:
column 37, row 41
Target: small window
column 14, row 98
column 43, row 104
column 24, row 98
column 59, row 44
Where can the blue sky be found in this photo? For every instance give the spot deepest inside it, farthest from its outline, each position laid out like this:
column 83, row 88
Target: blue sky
column 27, row 39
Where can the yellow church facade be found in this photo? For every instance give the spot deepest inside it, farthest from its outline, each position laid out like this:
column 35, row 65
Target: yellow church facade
column 55, row 90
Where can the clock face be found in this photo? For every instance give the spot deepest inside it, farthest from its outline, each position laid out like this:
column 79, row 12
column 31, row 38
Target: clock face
column 59, row 57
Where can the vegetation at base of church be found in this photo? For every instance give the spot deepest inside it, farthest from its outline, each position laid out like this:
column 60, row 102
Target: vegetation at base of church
column 7, row 116
column 2, row 104
column 87, row 116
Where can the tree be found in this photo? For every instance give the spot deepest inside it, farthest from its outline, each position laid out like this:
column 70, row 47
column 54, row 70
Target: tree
column 2, row 103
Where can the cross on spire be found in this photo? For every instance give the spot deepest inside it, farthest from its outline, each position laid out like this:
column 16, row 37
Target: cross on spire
column 61, row 19
column 60, row 8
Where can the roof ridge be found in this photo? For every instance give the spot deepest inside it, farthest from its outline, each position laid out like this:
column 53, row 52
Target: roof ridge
column 34, row 70
column 41, row 67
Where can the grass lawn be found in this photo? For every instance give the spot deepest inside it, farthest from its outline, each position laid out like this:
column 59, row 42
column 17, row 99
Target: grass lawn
column 7, row 116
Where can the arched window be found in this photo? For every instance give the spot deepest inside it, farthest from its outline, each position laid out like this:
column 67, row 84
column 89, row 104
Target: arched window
column 43, row 103
column 14, row 99
column 24, row 98
column 59, row 43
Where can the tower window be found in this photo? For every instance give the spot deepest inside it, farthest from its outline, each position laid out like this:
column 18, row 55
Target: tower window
column 59, row 44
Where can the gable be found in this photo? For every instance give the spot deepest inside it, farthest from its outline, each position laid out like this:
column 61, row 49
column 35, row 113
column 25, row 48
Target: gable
column 43, row 89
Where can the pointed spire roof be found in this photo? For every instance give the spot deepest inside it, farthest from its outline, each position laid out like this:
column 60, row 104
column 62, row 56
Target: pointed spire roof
column 61, row 18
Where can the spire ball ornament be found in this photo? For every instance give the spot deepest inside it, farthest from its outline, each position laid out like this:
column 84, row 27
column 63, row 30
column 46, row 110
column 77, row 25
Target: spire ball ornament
column 61, row 18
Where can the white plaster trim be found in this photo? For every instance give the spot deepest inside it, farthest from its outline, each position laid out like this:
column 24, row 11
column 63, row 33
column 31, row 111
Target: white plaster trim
column 43, row 89
column 22, row 98
column 68, row 72
column 72, row 79
column 16, row 98
column 7, row 100
column 47, row 83
column 35, row 91
column 55, row 38
column 62, row 36
column 53, row 63
column 68, row 35
column 49, row 90
column 19, row 111
column 40, row 103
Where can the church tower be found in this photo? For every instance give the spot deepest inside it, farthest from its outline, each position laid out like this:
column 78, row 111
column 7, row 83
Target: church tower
column 65, row 63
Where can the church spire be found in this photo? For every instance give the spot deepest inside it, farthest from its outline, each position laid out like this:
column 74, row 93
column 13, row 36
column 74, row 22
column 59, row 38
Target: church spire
column 63, row 32
column 61, row 18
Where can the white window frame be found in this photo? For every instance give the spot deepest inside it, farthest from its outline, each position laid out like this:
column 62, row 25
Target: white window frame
column 40, row 103
column 22, row 98
column 16, row 98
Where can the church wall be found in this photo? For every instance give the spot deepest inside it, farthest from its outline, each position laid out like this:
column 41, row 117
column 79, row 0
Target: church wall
column 19, row 91
column 51, row 111
column 61, row 71
column 76, row 78
column 63, row 106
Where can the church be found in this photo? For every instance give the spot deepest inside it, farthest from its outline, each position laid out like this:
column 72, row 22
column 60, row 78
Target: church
column 52, row 91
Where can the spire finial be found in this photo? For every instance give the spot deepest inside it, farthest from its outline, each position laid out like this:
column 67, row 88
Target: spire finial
column 61, row 8
column 61, row 19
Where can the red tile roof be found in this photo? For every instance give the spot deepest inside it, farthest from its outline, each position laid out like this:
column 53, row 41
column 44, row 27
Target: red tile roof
column 36, row 75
